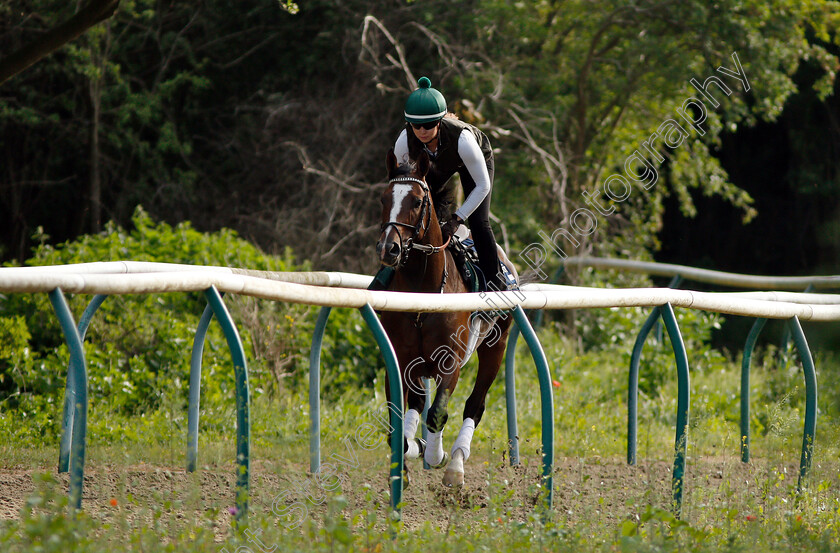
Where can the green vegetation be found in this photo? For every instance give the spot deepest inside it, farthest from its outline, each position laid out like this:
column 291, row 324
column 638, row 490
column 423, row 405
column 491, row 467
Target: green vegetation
column 138, row 348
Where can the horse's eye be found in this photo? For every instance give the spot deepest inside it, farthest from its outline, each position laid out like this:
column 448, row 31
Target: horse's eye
column 382, row 200
column 417, row 202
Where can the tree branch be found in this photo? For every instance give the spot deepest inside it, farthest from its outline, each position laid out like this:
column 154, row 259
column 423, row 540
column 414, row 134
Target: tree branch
column 94, row 12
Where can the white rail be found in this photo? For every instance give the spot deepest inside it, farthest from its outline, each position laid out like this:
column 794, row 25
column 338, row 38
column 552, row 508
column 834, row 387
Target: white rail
column 127, row 278
column 706, row 275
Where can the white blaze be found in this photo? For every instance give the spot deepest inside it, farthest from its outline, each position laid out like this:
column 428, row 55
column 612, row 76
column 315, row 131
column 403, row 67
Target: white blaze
column 400, row 191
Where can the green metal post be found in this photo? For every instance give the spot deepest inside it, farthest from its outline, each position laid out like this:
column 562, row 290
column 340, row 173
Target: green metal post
column 78, row 377
column 633, row 385
column 510, row 395
column 315, row 390
column 657, row 332
column 546, row 400
column 70, row 391
column 193, row 412
column 810, row 374
column 536, row 315
column 749, row 347
column 243, row 424
column 427, row 383
column 396, row 404
column 784, row 345
column 683, row 398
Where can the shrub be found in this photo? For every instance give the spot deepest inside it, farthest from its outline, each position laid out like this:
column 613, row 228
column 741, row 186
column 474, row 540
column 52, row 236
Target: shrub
column 138, row 346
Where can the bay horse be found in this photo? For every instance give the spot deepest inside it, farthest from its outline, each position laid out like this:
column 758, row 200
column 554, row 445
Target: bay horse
column 433, row 345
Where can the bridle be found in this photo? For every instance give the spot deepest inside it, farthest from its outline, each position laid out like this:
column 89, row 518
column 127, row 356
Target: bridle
column 422, row 226
column 411, row 242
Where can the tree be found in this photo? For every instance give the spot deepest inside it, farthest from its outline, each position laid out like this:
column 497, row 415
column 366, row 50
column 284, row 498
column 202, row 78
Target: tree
column 572, row 89
column 92, row 13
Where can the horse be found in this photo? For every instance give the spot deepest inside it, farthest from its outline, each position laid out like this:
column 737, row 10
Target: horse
column 433, row 345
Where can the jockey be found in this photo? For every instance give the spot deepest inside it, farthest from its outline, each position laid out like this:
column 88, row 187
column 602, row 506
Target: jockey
column 453, row 147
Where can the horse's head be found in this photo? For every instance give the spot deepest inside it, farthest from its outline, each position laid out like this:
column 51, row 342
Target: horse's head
column 406, row 209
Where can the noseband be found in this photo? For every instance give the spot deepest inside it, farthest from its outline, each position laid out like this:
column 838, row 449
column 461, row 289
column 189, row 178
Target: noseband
column 421, row 226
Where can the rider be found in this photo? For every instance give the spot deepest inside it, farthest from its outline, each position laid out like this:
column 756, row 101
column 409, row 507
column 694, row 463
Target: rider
column 453, row 147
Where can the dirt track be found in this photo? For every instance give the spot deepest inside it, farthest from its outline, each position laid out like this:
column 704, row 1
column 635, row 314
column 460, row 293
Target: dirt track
column 603, row 491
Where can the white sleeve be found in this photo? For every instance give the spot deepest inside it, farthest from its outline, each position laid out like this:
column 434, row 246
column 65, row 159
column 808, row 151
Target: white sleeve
column 473, row 159
column 401, row 148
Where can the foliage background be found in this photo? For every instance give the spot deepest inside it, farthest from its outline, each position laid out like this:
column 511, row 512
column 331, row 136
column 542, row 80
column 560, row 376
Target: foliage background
column 274, row 122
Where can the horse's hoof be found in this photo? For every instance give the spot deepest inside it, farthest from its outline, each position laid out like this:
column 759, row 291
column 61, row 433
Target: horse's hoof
column 443, row 462
column 452, row 479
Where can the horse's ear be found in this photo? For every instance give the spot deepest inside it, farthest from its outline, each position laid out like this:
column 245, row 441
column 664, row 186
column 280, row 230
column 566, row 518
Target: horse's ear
column 423, row 164
column 391, row 162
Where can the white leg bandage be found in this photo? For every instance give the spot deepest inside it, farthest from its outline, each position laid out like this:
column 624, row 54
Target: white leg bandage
column 410, row 422
column 464, row 438
column 434, row 448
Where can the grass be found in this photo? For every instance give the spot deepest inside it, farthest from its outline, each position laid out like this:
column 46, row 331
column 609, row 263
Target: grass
column 138, row 498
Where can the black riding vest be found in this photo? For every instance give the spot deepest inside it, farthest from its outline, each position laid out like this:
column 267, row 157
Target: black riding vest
column 446, row 162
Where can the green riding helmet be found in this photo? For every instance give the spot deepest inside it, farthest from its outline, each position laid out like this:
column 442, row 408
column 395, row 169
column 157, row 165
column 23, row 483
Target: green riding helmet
column 425, row 104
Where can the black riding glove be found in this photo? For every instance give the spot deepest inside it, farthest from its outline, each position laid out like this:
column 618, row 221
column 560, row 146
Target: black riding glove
column 448, row 228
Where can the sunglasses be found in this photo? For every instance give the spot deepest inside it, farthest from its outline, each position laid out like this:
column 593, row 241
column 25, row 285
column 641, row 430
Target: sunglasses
column 428, row 126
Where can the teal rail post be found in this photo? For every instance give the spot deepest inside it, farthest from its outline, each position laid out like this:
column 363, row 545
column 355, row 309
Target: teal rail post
column 194, row 404
column 546, row 400
column 676, row 280
column 510, row 395
column 536, row 315
column 683, row 399
column 395, row 406
column 633, row 385
column 243, row 423
column 428, row 405
column 784, row 344
column 78, row 396
column 315, row 390
column 633, row 377
column 70, row 391
column 749, row 347
column 810, row 374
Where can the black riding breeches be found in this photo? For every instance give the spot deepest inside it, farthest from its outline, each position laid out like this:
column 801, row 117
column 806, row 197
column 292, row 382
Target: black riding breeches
column 479, row 221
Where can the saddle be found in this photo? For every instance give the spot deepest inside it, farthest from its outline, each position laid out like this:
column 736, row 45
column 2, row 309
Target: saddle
column 463, row 251
column 465, row 255
column 466, row 260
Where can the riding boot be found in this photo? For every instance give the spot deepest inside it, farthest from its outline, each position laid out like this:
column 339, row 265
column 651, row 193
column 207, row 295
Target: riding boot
column 489, row 265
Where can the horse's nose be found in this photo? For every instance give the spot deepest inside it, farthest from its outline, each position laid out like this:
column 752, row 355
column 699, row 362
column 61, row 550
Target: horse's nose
column 389, row 252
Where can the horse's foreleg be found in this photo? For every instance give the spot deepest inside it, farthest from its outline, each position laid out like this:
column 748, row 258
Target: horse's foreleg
column 454, row 475
column 416, row 399
column 435, row 421
column 489, row 362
